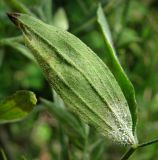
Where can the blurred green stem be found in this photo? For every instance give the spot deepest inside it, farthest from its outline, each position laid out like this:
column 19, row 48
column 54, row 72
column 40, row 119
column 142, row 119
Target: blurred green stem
column 124, row 19
column 5, row 144
column 18, row 6
column 5, row 41
column 93, row 19
column 3, row 154
column 86, row 144
column 1, row 56
column 83, row 6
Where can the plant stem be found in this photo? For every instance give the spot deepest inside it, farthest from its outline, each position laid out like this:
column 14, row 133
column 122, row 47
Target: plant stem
column 112, row 4
column 86, row 150
column 18, row 6
column 147, row 143
column 129, row 153
column 124, row 19
column 5, row 41
column 133, row 148
column 5, row 148
column 83, row 6
column 3, row 154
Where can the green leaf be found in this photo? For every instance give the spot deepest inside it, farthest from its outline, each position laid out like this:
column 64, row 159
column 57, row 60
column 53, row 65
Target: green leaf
column 116, row 68
column 79, row 77
column 17, row 106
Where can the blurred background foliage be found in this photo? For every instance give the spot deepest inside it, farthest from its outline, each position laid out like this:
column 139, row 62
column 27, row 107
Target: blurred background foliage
column 53, row 132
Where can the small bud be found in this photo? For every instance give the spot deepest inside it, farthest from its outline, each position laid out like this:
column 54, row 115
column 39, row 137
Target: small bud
column 79, row 76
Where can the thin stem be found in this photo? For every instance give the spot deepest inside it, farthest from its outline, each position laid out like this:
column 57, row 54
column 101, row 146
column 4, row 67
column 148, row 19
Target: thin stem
column 18, row 6
column 128, row 153
column 112, row 4
column 86, row 144
column 82, row 6
column 134, row 148
column 147, row 143
column 125, row 12
column 12, row 39
column 4, row 141
column 1, row 55
column 124, row 19
column 3, row 154
column 84, row 26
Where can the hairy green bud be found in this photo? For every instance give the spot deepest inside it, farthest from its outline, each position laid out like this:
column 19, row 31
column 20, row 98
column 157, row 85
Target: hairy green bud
column 79, row 76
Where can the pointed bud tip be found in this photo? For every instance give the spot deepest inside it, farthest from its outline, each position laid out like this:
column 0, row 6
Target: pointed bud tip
column 13, row 17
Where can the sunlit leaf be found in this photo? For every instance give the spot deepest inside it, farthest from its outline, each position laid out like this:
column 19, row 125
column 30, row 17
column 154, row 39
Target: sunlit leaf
column 17, row 106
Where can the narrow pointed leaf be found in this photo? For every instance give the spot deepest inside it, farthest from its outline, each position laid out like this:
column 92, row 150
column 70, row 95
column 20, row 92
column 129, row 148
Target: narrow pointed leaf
column 79, row 76
column 116, row 68
column 17, row 106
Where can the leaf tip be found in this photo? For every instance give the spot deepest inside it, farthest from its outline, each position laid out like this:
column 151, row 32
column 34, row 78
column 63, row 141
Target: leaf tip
column 13, row 17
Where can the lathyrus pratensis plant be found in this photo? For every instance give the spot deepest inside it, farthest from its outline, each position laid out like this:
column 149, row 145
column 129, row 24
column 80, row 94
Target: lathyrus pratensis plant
column 100, row 96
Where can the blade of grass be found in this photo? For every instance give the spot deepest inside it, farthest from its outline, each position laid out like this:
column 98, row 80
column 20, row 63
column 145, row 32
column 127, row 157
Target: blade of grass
column 116, row 68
